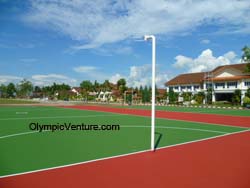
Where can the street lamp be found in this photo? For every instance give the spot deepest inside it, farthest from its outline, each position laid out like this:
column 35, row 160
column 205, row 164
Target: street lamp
column 146, row 38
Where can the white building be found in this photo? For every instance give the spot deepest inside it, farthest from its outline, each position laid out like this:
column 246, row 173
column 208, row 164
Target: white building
column 224, row 80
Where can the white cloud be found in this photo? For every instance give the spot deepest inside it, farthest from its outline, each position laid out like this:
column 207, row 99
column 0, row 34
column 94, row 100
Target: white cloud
column 39, row 79
column 48, row 79
column 205, row 61
column 84, row 69
column 124, row 50
column 99, row 22
column 141, row 75
column 91, row 73
column 4, row 79
column 115, row 78
column 182, row 61
column 110, row 50
column 205, row 41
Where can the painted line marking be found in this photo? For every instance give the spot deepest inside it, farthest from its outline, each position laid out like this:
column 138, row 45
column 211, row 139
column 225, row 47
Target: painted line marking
column 19, row 134
column 21, row 113
column 177, row 128
column 122, row 155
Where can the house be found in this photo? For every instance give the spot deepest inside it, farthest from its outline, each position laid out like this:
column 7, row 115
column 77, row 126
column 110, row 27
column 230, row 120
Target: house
column 223, row 80
column 161, row 95
column 76, row 90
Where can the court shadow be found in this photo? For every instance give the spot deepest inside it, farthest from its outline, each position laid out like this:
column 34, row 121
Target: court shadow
column 158, row 140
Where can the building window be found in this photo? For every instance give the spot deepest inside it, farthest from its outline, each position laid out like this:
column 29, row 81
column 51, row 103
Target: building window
column 189, row 87
column 183, row 87
column 176, row 88
column 232, row 84
column 208, row 85
column 220, row 85
column 196, row 87
column 170, row 88
column 247, row 84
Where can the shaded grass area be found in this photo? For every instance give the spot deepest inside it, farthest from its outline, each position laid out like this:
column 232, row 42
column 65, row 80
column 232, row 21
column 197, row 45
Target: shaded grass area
column 16, row 101
column 22, row 153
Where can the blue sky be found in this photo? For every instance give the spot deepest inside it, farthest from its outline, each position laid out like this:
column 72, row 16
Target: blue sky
column 70, row 41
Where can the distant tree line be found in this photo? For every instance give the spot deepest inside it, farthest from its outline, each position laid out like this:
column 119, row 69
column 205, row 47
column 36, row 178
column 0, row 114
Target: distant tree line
column 25, row 89
column 22, row 90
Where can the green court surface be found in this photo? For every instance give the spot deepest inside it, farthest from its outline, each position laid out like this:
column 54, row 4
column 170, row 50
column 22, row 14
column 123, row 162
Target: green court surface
column 221, row 111
column 24, row 150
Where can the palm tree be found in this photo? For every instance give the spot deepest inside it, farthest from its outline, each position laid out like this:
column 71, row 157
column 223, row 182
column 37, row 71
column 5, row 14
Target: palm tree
column 86, row 86
column 246, row 57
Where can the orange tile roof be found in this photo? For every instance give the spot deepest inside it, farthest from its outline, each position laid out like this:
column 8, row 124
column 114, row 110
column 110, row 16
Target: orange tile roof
column 161, row 91
column 241, row 67
column 231, row 78
column 198, row 78
column 191, row 78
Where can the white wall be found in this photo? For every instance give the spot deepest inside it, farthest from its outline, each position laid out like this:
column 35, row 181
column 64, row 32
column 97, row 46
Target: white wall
column 230, row 72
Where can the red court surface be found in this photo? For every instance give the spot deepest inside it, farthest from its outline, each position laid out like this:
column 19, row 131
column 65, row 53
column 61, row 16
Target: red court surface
column 242, row 121
column 221, row 162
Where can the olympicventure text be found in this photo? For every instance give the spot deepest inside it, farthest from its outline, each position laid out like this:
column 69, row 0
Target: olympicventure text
column 72, row 127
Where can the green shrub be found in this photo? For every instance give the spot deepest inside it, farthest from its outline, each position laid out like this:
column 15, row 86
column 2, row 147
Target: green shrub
column 199, row 97
column 246, row 100
column 236, row 97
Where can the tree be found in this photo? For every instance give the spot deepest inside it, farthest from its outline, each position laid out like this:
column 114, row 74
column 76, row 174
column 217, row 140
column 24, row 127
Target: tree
column 47, row 91
column 3, row 91
column 121, row 85
column 172, row 95
column 199, row 97
column 37, row 89
column 62, row 90
column 247, row 94
column 209, row 95
column 246, row 101
column 25, row 88
column 120, row 82
column 186, row 96
column 140, row 88
column 86, row 86
column 236, row 96
column 149, row 93
column 145, row 94
column 106, row 85
column 246, row 57
column 136, row 90
column 96, row 86
column 129, row 98
column 11, row 90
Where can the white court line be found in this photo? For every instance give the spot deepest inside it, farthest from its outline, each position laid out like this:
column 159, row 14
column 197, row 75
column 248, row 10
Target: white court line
column 125, row 126
column 19, row 134
column 118, row 156
column 178, row 128
column 204, row 139
column 56, row 117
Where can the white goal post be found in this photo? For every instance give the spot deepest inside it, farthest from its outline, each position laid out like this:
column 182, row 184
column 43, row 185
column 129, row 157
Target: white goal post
column 152, row 37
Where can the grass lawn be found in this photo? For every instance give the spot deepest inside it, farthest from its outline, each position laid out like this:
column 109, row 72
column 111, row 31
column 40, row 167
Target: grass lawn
column 24, row 150
column 16, row 101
